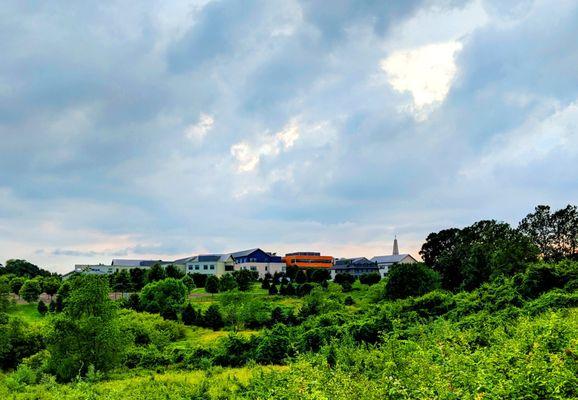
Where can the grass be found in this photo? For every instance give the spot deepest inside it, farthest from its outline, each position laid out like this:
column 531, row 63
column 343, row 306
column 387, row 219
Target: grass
column 27, row 312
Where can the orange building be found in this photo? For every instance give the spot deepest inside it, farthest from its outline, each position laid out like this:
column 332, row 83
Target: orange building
column 308, row 260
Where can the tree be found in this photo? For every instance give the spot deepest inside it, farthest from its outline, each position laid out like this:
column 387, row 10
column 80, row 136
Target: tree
column 300, row 278
column 189, row 316
column 137, row 278
column 174, row 272
column 555, row 234
column 370, row 279
column 4, row 299
column 52, row 306
column 30, row 290
column 63, row 293
column 16, row 284
column 212, row 284
column 212, row 318
column 319, row 275
column 50, row 285
column 265, row 284
column 199, row 279
column 227, row 283
column 87, row 332
column 42, row 309
column 468, row 257
column 341, row 278
column 122, row 282
column 134, row 302
column 273, row 290
column 156, row 273
column 189, row 282
column 23, row 268
column 165, row 296
column 406, row 280
column 245, row 278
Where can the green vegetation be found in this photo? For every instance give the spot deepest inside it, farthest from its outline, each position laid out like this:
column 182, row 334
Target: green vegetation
column 504, row 327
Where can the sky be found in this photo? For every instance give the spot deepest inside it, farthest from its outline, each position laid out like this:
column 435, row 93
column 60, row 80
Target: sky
column 157, row 130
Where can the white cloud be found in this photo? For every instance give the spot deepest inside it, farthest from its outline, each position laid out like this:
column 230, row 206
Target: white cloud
column 197, row 132
column 426, row 72
column 248, row 156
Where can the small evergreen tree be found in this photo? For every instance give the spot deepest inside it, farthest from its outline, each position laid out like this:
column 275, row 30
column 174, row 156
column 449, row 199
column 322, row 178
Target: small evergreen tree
column 52, row 306
column 273, row 290
column 188, row 315
column 349, row 301
column 227, row 283
column 265, row 284
column 156, row 273
column 173, row 272
column 134, row 302
column 290, row 290
column 189, row 282
column 212, row 284
column 42, row 309
column 213, row 318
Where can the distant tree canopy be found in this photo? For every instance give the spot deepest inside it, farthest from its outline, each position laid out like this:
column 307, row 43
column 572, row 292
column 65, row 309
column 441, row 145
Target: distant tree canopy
column 156, row 273
column 465, row 258
column 555, row 234
column 23, row 268
column 404, row 280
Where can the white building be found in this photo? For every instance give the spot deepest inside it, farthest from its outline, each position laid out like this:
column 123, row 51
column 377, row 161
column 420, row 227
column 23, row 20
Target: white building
column 208, row 264
column 385, row 262
column 258, row 260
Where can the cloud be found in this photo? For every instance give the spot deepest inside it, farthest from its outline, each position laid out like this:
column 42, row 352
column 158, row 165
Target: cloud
column 197, row 132
column 169, row 129
column 426, row 73
column 248, row 156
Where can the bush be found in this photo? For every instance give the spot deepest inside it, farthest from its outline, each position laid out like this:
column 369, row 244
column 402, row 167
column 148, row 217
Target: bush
column 212, row 284
column 189, row 316
column 227, row 283
column 273, row 290
column 42, row 309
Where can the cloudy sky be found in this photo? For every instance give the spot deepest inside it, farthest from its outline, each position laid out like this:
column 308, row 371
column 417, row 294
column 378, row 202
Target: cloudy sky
column 155, row 129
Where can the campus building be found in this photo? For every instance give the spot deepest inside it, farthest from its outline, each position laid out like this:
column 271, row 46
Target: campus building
column 207, row 264
column 353, row 266
column 308, row 260
column 258, row 260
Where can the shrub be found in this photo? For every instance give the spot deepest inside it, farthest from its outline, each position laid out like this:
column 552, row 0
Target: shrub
column 273, row 290
column 212, row 284
column 227, row 283
column 164, row 296
column 42, row 309
column 189, row 316
column 370, row 279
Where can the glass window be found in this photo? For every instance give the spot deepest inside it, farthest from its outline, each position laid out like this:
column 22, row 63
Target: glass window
column 212, row 267
column 205, row 267
column 197, row 267
column 253, row 268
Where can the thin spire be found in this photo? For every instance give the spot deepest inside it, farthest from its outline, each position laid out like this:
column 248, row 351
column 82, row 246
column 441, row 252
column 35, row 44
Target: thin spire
column 395, row 246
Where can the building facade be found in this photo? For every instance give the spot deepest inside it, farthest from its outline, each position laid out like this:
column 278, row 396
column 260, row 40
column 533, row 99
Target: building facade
column 208, row 264
column 258, row 260
column 308, row 260
column 354, row 266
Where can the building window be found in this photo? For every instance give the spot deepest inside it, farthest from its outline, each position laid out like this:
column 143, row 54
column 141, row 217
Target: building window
column 253, row 268
column 212, row 267
column 266, row 268
column 197, row 267
column 205, row 266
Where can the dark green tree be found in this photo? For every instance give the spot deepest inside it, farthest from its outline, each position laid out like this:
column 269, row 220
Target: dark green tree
column 265, row 284
column 137, row 278
column 213, row 318
column 23, row 268
column 52, row 306
column 300, row 278
column 122, row 282
column 189, row 316
column 273, row 290
column 370, row 279
column 212, row 284
column 134, row 302
column 42, row 309
column 227, row 283
column 245, row 278
column 174, row 272
column 406, row 280
column 155, row 273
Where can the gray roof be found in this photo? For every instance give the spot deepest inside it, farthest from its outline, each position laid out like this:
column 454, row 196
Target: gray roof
column 358, row 262
column 243, row 252
column 391, row 259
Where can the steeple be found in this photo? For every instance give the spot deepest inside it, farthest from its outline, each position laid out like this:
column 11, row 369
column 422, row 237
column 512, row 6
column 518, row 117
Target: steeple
column 395, row 247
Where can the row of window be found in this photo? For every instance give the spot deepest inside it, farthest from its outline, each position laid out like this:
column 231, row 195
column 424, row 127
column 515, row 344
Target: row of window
column 197, row 267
